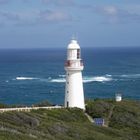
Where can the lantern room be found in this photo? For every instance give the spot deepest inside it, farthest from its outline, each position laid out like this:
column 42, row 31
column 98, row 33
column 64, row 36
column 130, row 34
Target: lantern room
column 73, row 52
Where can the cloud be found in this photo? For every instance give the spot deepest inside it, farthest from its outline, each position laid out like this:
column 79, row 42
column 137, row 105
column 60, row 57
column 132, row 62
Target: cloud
column 108, row 10
column 33, row 17
column 53, row 16
column 59, row 2
column 8, row 18
column 7, row 1
column 18, row 18
column 114, row 14
column 9, row 15
column 4, row 1
column 48, row 2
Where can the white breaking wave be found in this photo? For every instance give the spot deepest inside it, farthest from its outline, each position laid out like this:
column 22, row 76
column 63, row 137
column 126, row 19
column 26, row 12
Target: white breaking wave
column 25, row 78
column 59, row 80
column 63, row 76
column 85, row 79
column 97, row 79
column 108, row 75
column 130, row 76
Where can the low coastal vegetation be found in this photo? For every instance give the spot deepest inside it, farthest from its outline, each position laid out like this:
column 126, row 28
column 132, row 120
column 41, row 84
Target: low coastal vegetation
column 122, row 122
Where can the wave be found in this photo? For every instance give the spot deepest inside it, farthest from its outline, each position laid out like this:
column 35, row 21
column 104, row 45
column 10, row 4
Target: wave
column 108, row 75
column 59, row 80
column 130, row 76
column 25, row 78
column 63, row 76
column 97, row 79
column 86, row 79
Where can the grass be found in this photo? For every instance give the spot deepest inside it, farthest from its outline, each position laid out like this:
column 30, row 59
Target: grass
column 125, row 115
column 72, row 124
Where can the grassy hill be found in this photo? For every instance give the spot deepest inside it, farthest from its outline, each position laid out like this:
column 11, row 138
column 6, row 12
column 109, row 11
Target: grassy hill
column 123, row 120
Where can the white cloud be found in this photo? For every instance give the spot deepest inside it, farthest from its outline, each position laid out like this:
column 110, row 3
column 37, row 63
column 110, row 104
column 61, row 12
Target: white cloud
column 59, row 2
column 53, row 16
column 113, row 14
column 33, row 17
column 8, row 18
column 110, row 10
column 9, row 15
column 4, row 1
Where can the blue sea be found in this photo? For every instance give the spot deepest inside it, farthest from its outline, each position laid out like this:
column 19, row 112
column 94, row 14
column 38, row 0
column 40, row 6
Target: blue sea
column 29, row 76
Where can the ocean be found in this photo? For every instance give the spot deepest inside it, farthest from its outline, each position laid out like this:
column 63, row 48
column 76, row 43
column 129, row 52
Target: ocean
column 29, row 76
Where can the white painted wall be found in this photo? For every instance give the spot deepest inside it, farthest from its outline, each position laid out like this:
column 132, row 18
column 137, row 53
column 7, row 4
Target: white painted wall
column 118, row 98
column 74, row 94
column 72, row 54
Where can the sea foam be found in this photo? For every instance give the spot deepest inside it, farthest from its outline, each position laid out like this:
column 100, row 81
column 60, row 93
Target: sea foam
column 130, row 76
column 59, row 80
column 25, row 78
column 86, row 79
column 97, row 79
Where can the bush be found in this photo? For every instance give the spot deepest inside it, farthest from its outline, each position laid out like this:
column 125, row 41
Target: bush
column 98, row 108
column 43, row 103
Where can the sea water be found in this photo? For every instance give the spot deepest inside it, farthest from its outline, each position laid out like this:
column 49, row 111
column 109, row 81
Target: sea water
column 28, row 76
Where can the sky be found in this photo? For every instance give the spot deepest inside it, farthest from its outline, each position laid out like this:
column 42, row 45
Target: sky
column 52, row 23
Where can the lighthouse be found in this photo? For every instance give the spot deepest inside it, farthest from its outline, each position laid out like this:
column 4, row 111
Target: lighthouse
column 74, row 94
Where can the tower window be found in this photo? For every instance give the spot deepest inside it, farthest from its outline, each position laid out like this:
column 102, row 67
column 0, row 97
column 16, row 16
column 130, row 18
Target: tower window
column 78, row 54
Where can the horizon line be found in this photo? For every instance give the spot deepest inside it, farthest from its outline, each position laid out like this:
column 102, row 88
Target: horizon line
column 87, row 47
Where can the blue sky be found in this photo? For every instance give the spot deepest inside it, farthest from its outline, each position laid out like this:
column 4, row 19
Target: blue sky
column 52, row 23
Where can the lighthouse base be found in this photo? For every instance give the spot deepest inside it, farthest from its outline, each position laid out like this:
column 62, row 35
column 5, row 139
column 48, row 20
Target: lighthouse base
column 74, row 95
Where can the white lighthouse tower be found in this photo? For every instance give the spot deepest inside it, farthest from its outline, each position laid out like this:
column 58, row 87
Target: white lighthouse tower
column 74, row 94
